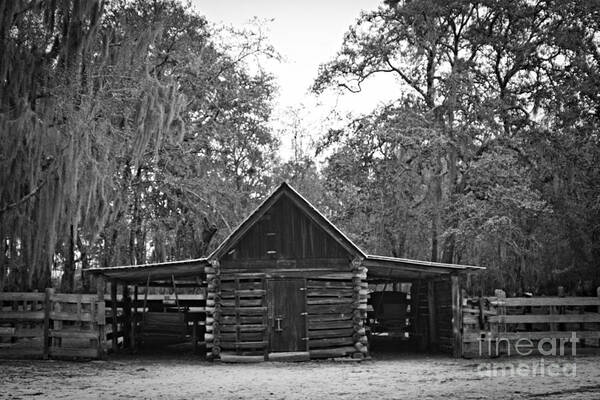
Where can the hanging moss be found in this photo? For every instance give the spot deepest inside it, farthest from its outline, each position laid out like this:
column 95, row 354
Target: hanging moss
column 63, row 141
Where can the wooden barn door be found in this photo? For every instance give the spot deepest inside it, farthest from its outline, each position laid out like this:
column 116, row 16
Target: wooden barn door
column 287, row 304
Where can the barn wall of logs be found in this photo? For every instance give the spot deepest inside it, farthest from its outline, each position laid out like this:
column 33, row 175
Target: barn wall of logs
column 238, row 322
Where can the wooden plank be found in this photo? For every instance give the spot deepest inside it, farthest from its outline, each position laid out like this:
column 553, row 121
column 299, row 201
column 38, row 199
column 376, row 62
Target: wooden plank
column 7, row 331
column 315, row 325
column 330, row 333
column 293, row 356
column 22, row 316
column 244, row 302
column 331, row 353
column 469, row 319
column 545, row 318
column 330, row 284
column 21, row 332
column 549, row 334
column 22, row 296
column 546, row 301
column 241, row 336
column 284, row 264
column 234, row 358
column 68, row 316
column 329, row 309
column 243, row 310
column 243, row 345
column 242, row 293
column 330, row 300
column 161, row 297
column 73, row 334
column 330, row 342
column 243, row 328
column 73, row 297
column 232, row 320
column 334, row 292
column 225, row 286
column 313, row 318
column 315, row 284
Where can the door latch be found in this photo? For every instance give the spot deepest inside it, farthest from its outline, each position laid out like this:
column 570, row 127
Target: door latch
column 278, row 325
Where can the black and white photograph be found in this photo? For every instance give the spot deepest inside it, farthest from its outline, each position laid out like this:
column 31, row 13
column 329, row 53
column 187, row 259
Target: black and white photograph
column 273, row 199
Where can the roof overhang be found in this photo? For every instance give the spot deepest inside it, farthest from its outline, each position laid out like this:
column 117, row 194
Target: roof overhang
column 153, row 272
column 393, row 268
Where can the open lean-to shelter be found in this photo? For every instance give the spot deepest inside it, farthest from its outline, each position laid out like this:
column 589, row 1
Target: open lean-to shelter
column 287, row 284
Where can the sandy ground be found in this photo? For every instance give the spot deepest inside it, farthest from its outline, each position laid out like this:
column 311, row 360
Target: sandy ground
column 389, row 377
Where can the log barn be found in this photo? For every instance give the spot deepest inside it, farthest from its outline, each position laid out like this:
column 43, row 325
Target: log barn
column 287, row 284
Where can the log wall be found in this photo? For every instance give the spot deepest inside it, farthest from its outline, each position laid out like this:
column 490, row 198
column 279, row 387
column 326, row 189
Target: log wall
column 336, row 304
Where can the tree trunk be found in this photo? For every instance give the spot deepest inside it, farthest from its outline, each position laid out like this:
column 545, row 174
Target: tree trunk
column 68, row 278
column 85, row 280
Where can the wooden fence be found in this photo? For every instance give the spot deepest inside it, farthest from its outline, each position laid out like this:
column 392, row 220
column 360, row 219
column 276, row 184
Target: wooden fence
column 499, row 325
column 49, row 324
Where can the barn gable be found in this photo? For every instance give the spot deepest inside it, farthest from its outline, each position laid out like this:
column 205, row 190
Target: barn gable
column 286, row 227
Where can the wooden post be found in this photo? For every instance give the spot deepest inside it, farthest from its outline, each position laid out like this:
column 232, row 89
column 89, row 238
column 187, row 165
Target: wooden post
column 126, row 316
column 113, row 308
column 134, row 319
column 432, row 337
column 47, row 310
column 100, row 287
column 456, row 317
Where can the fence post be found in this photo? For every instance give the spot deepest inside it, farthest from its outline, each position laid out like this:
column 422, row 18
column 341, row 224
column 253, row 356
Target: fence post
column 100, row 286
column 457, row 350
column 47, row 310
column 113, row 307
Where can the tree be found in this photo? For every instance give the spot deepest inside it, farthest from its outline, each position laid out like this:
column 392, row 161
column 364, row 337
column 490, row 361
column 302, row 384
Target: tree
column 107, row 124
column 480, row 75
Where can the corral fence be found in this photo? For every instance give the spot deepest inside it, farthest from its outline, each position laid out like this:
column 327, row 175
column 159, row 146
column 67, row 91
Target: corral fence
column 500, row 325
column 51, row 325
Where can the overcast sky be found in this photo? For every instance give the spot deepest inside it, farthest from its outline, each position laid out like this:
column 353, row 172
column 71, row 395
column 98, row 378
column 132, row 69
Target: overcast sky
column 307, row 33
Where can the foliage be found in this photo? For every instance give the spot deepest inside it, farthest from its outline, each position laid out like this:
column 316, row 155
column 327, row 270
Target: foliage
column 127, row 131
column 497, row 99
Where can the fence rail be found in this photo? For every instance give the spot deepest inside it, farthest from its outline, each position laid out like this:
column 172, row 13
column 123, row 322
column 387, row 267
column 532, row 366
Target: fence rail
column 51, row 325
column 496, row 325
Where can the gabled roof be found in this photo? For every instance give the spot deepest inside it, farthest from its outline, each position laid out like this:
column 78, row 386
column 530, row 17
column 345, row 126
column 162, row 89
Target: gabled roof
column 286, row 190
column 379, row 267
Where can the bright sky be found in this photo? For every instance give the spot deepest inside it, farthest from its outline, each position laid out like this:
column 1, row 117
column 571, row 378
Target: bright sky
column 306, row 33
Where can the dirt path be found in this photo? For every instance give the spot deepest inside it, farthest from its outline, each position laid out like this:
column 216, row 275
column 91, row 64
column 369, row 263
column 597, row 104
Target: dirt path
column 391, row 378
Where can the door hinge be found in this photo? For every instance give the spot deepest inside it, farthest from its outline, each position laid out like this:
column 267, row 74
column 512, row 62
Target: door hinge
column 302, row 289
column 303, row 313
column 304, row 338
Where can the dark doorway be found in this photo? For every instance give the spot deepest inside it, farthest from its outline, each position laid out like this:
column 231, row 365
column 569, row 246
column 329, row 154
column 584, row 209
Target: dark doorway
column 287, row 304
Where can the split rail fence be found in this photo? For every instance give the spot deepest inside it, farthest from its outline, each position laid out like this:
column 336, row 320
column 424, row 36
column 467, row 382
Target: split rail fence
column 499, row 325
column 51, row 325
